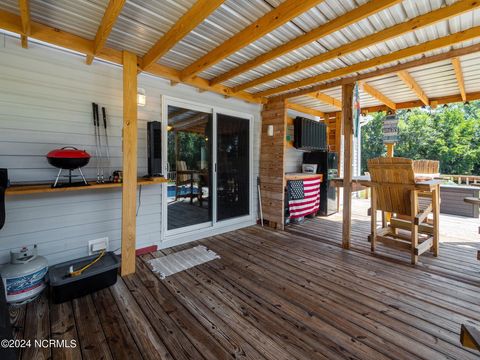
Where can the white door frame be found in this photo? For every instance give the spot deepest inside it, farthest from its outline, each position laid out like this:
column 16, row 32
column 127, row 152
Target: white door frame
column 214, row 224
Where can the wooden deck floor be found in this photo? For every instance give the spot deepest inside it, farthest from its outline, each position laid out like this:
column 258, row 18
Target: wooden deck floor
column 274, row 295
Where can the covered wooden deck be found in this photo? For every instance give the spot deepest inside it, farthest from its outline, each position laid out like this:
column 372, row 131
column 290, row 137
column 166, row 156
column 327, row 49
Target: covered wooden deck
column 278, row 295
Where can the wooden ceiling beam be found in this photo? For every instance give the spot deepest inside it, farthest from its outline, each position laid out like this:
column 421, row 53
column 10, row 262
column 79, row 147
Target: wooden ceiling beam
column 380, row 36
column 378, row 95
column 420, row 49
column 380, row 72
column 338, row 23
column 190, row 20
column 418, row 103
column 112, row 12
column 305, row 110
column 47, row 34
column 24, row 6
column 457, row 66
column 413, row 85
column 326, row 99
column 286, row 11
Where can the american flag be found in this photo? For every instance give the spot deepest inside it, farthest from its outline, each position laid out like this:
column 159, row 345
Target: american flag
column 310, row 202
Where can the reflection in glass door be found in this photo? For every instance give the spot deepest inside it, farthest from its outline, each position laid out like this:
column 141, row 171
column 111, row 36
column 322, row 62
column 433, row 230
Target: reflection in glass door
column 233, row 167
column 189, row 153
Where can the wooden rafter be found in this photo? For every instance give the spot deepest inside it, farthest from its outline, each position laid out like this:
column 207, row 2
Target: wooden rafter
column 24, row 6
column 304, row 109
column 378, row 95
column 379, row 72
column 420, row 49
column 326, row 99
column 417, row 103
column 190, row 20
column 106, row 25
column 380, row 36
column 413, row 85
column 286, row 11
column 47, row 34
column 323, row 30
column 457, row 66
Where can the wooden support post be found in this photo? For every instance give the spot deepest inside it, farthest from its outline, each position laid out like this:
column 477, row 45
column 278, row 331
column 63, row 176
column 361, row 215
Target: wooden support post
column 436, row 219
column 390, row 148
column 129, row 186
column 414, row 227
column 347, row 116
column 338, row 149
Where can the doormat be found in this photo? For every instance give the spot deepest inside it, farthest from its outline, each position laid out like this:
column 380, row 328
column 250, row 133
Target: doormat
column 182, row 260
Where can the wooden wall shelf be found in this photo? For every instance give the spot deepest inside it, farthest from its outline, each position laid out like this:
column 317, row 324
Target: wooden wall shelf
column 46, row 188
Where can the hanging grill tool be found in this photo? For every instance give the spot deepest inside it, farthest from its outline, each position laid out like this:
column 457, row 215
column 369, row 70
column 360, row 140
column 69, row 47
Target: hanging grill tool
column 99, row 132
column 97, row 149
column 104, row 113
column 102, row 155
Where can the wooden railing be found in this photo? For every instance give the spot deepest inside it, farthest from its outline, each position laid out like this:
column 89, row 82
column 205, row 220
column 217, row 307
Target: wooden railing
column 463, row 179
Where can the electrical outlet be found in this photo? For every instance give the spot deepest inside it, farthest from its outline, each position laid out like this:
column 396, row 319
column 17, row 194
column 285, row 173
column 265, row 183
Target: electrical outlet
column 97, row 245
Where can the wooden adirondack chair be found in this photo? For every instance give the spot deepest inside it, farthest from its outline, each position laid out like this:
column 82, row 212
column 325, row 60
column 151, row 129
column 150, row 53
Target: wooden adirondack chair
column 427, row 167
column 394, row 191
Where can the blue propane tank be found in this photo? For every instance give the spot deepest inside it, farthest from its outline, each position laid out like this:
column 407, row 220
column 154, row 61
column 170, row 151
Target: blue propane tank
column 24, row 277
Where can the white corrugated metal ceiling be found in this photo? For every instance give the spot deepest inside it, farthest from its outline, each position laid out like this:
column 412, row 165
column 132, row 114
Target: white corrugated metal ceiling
column 141, row 23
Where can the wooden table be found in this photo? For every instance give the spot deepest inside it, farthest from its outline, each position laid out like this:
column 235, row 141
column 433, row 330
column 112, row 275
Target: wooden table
column 365, row 182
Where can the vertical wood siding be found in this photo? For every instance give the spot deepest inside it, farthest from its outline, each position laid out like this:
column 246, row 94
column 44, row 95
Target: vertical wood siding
column 45, row 103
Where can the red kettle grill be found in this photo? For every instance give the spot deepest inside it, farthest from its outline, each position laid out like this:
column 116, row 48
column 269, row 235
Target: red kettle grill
column 69, row 158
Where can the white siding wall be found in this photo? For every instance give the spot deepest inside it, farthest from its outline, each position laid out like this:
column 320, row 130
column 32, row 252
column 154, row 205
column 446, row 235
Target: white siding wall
column 45, row 103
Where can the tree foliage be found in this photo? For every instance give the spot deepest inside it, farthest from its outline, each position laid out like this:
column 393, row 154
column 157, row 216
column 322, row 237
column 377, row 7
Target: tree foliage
column 449, row 134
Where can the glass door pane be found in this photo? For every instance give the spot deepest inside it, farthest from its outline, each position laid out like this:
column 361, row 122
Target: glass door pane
column 233, row 167
column 189, row 167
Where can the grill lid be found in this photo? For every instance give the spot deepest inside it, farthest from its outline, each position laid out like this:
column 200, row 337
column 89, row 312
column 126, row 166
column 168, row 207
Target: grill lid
column 68, row 152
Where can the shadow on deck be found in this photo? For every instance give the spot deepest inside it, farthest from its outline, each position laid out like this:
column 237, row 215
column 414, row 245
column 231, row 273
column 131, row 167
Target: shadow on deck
column 274, row 295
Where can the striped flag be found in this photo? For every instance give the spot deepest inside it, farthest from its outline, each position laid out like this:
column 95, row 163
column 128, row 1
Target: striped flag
column 310, row 202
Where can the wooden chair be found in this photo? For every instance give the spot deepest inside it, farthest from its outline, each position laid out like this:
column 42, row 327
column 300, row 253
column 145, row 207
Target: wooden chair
column 426, row 168
column 184, row 177
column 394, row 191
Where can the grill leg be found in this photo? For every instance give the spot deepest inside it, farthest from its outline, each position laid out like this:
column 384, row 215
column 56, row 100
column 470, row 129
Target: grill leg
column 58, row 176
column 83, row 177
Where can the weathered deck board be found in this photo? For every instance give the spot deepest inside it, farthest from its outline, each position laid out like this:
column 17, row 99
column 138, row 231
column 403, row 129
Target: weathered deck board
column 278, row 295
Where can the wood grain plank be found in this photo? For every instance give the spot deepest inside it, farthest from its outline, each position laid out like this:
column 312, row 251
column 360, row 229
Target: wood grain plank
column 62, row 324
column 117, row 334
column 37, row 327
column 200, row 336
column 147, row 340
column 92, row 338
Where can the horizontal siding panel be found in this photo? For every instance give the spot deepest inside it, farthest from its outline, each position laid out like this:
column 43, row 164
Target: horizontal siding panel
column 45, row 103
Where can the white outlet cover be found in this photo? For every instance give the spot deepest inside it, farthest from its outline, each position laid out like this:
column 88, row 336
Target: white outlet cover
column 99, row 244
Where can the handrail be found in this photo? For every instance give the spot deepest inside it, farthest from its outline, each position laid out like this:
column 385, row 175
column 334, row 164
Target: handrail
column 463, row 179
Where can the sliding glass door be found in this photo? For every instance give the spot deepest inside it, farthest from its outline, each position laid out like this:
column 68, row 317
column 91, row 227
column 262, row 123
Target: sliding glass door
column 189, row 167
column 207, row 156
column 233, row 167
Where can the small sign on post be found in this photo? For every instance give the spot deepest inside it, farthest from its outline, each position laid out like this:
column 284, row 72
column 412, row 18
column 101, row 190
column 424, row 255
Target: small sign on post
column 390, row 129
